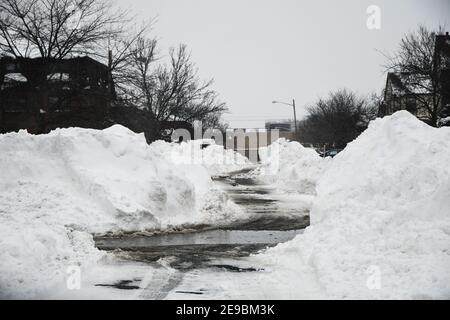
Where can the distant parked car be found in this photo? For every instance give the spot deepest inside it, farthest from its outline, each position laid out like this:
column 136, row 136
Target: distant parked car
column 330, row 153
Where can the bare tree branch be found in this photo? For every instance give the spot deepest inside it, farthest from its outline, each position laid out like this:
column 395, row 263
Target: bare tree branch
column 169, row 92
column 57, row 28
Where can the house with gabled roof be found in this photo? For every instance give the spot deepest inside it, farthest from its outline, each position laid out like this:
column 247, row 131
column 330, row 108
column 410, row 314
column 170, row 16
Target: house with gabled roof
column 414, row 93
column 405, row 91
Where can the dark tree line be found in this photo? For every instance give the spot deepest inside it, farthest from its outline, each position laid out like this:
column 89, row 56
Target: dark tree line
column 338, row 119
column 164, row 92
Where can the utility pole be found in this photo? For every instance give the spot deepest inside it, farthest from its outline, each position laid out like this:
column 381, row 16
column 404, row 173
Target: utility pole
column 295, row 119
column 295, row 114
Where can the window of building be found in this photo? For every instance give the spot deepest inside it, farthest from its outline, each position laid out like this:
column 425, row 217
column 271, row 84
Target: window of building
column 411, row 105
column 58, row 77
column 15, row 78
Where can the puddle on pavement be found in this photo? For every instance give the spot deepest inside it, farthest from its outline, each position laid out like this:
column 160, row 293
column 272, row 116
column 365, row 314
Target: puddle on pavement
column 249, row 191
column 190, row 292
column 211, row 237
column 186, row 251
column 122, row 285
column 231, row 268
column 252, row 201
column 267, row 220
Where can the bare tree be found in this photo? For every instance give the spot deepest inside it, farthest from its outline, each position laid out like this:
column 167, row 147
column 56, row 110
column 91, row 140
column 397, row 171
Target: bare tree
column 57, row 28
column 416, row 57
column 169, row 92
column 122, row 51
column 337, row 119
column 64, row 28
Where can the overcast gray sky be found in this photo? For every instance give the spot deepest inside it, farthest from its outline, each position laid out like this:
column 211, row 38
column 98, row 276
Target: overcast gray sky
column 260, row 50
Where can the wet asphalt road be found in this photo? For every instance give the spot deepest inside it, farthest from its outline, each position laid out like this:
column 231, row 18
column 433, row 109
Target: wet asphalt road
column 267, row 226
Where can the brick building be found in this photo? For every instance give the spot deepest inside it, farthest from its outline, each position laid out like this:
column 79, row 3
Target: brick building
column 42, row 94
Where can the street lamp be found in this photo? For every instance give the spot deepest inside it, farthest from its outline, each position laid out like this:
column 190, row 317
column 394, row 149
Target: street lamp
column 295, row 113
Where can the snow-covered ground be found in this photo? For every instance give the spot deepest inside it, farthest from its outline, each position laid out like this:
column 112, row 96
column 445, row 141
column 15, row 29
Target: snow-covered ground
column 291, row 167
column 380, row 217
column 58, row 189
column 216, row 159
column 380, row 224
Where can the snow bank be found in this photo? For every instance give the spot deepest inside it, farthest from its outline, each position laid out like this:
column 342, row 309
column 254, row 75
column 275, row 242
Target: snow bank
column 381, row 219
column 291, row 166
column 215, row 158
column 58, row 189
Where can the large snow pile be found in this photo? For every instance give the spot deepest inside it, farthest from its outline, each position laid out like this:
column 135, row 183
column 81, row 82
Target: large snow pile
column 57, row 189
column 381, row 219
column 291, row 166
column 215, row 158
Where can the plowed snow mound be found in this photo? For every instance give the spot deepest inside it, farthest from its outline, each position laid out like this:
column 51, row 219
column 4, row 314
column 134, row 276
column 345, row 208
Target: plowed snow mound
column 381, row 219
column 58, row 188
